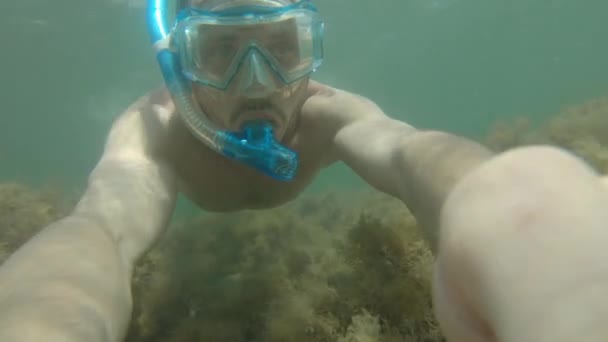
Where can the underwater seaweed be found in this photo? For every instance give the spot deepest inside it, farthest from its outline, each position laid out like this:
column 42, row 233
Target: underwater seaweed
column 24, row 211
column 303, row 272
column 581, row 129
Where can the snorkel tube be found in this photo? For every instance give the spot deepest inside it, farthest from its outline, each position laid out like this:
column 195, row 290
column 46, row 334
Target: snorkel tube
column 255, row 145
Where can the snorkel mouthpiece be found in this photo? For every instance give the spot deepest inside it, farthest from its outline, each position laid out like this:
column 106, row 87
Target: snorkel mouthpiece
column 255, row 145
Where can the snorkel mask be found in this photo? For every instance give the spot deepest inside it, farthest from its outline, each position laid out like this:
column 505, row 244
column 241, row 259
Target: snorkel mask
column 184, row 55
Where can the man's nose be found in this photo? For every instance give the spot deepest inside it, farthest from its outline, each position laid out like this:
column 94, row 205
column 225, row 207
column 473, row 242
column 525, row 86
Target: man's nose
column 256, row 78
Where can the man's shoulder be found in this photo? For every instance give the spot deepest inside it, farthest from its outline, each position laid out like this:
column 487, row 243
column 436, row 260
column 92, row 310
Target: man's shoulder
column 156, row 97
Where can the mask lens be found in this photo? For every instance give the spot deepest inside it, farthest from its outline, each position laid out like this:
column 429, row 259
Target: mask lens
column 212, row 51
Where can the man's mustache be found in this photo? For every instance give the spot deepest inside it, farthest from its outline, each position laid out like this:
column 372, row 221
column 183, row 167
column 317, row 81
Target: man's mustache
column 257, row 106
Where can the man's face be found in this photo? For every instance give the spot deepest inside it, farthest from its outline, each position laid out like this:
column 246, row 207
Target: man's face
column 256, row 90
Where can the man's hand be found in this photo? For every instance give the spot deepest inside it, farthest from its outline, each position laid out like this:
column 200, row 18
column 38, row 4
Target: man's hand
column 522, row 254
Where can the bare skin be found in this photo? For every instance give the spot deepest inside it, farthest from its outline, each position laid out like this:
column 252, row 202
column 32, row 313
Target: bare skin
column 522, row 251
column 71, row 282
column 216, row 183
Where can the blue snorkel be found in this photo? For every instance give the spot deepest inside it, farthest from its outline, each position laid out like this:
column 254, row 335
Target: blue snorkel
column 255, row 145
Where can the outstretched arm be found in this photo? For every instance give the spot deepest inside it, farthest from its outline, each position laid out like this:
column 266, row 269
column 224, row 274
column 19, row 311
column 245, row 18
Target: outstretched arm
column 418, row 167
column 520, row 256
column 71, row 282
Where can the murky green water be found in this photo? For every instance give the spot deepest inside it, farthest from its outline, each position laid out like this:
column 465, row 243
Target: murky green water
column 69, row 66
